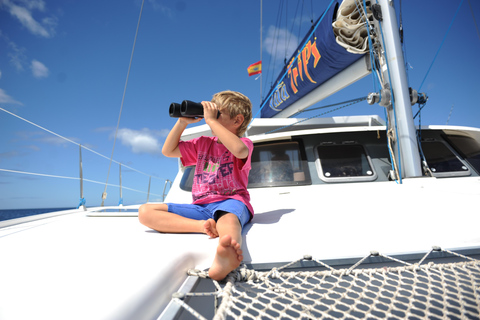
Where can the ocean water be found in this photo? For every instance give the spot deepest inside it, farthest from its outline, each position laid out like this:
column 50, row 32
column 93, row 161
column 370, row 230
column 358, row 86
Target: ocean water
column 19, row 213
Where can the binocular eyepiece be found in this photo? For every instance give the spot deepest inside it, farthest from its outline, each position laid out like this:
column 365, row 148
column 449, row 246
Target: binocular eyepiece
column 187, row 109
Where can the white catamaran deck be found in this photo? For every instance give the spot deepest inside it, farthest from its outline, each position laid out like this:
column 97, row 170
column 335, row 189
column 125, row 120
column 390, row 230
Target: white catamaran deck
column 109, row 268
column 115, row 268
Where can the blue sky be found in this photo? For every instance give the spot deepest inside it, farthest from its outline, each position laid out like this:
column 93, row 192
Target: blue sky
column 63, row 66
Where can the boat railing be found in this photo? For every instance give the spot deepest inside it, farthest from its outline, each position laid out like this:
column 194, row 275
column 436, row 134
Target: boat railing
column 149, row 185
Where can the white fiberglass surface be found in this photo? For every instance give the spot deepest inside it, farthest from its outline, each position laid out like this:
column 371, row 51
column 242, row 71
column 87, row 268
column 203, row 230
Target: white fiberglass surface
column 81, row 267
column 350, row 220
column 114, row 268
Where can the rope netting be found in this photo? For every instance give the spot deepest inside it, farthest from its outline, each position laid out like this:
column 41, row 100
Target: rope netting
column 404, row 291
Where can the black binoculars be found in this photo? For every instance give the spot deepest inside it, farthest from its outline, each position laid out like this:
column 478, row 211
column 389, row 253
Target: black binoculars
column 187, row 109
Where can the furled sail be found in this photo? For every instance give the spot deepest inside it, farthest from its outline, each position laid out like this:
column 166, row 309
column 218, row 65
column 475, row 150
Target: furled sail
column 337, row 39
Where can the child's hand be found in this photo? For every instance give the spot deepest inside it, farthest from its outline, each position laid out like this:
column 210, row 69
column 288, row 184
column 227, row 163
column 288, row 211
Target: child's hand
column 210, row 110
column 187, row 120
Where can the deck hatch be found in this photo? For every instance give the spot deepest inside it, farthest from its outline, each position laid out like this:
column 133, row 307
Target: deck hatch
column 344, row 162
column 442, row 161
column 468, row 148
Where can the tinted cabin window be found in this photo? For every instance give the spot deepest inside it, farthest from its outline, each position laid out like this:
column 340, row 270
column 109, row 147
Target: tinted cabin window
column 468, row 148
column 187, row 179
column 278, row 164
column 273, row 164
column 344, row 162
column 442, row 161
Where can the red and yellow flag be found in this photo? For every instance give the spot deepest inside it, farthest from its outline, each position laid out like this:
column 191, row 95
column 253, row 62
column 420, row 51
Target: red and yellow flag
column 255, row 68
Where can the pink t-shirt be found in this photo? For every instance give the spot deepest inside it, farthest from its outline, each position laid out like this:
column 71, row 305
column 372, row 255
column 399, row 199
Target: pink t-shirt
column 218, row 174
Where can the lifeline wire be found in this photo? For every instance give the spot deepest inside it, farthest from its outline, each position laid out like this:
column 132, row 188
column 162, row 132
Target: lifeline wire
column 104, row 194
column 70, row 178
column 71, row 141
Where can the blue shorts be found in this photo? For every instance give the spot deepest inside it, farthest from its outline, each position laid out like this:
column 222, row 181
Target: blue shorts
column 211, row 210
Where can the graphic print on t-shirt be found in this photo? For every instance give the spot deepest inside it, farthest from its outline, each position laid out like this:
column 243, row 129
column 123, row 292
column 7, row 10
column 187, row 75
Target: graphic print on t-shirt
column 215, row 177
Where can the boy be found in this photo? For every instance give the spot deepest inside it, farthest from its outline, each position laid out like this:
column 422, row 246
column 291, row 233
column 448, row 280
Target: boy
column 221, row 202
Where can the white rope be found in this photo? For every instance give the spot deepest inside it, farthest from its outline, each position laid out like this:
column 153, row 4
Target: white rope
column 71, row 178
column 189, row 309
column 104, row 195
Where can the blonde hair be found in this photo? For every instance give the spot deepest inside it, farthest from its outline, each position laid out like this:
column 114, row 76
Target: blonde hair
column 235, row 103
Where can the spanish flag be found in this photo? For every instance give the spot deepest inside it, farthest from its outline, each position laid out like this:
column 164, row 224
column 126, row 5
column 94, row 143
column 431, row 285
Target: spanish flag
column 255, row 68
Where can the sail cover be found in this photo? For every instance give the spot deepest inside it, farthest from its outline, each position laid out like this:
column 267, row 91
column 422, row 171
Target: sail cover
column 318, row 58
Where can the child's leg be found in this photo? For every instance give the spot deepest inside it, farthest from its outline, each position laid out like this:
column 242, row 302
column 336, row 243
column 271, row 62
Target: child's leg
column 157, row 217
column 229, row 253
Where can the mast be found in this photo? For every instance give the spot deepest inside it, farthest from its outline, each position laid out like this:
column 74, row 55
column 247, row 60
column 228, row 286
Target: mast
column 400, row 114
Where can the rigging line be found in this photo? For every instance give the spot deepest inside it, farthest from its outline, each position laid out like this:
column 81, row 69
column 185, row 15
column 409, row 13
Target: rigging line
column 300, row 25
column 330, row 105
column 286, row 35
column 389, row 137
column 420, row 107
column 399, row 173
column 312, row 117
column 261, row 48
column 70, row 178
column 389, row 146
column 403, row 42
column 294, row 60
column 311, row 11
column 273, row 48
column 441, row 45
column 450, row 114
column 71, row 141
column 293, row 26
column 104, row 195
column 375, row 77
column 277, row 33
column 474, row 20
column 426, row 167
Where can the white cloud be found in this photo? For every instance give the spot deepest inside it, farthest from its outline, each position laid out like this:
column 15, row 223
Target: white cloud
column 44, row 137
column 33, row 4
column 17, row 58
column 39, row 70
column 157, row 6
column 142, row 141
column 280, row 43
column 54, row 140
column 5, row 98
column 22, row 10
column 16, row 54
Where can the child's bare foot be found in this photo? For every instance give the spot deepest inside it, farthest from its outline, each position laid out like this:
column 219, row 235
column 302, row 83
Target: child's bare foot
column 210, row 228
column 228, row 257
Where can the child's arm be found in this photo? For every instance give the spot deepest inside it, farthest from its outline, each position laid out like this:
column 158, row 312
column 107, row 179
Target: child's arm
column 170, row 147
column 229, row 139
